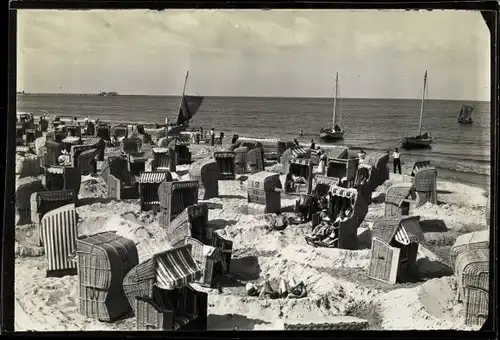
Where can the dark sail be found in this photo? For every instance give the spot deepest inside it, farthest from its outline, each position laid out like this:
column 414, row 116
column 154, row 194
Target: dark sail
column 189, row 107
column 466, row 112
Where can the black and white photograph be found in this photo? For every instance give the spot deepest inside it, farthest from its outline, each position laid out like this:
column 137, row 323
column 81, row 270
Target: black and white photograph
column 252, row 170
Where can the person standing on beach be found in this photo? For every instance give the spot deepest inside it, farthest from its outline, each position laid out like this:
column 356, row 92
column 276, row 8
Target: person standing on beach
column 322, row 162
column 361, row 155
column 221, row 137
column 212, row 136
column 313, row 145
column 397, row 160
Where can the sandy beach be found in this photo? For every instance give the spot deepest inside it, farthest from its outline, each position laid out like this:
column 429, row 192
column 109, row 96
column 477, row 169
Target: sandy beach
column 335, row 278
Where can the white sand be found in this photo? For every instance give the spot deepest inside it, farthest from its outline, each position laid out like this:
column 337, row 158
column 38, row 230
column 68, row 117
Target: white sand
column 336, row 279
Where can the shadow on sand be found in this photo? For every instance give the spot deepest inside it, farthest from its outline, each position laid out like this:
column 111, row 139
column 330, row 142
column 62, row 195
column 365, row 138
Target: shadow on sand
column 92, row 200
column 232, row 196
column 380, row 198
column 432, row 269
column 232, row 322
column 435, row 225
column 221, row 223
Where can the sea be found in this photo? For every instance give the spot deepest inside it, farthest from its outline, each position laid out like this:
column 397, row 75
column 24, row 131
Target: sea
column 460, row 152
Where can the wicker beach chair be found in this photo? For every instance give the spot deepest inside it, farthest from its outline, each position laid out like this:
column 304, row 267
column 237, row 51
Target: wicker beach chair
column 343, row 198
column 87, row 163
column 25, row 187
column 136, row 160
column 63, row 178
column 76, row 151
column 400, row 200
column 54, row 150
column 250, row 145
column 103, row 261
column 425, row 184
column 379, row 170
column 28, row 165
column 74, row 130
column 120, row 132
column 44, row 125
column 32, row 134
column 472, row 271
column 255, row 160
column 59, row 232
column 136, row 164
column 394, row 249
column 303, row 168
column 240, row 160
column 69, row 142
column 294, row 153
column 90, row 128
column 131, row 146
column 225, row 161
column 164, row 159
column 104, row 131
column 264, row 193
column 181, row 148
column 42, row 202
column 97, row 143
column 159, row 292
column 344, row 169
column 418, row 166
column 469, row 241
column 175, row 197
column 120, row 182
column 149, row 183
column 206, row 172
column 282, row 147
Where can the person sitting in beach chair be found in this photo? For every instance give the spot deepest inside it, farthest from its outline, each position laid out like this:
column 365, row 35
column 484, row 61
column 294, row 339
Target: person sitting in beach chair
column 292, row 179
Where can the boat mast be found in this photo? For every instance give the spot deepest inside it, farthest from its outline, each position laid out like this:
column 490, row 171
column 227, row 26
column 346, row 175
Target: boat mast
column 335, row 100
column 422, row 104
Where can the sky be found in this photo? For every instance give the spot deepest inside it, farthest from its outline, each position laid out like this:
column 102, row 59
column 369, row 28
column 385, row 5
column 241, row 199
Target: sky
column 278, row 53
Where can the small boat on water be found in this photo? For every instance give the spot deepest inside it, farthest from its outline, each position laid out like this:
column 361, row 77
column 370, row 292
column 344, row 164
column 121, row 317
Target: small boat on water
column 465, row 114
column 422, row 140
column 335, row 132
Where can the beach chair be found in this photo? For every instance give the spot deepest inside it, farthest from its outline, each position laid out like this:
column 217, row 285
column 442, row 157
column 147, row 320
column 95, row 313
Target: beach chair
column 69, row 142
column 120, row 182
column 264, row 193
column 97, row 143
column 400, row 200
column 379, row 169
column 63, row 178
column 25, row 187
column 344, row 169
column 149, row 183
column 347, row 199
column 75, row 130
column 301, row 167
column 42, row 202
column 225, row 161
column 282, row 147
column 103, row 261
column 76, row 151
column 60, row 134
column 206, row 172
column 54, row 150
column 181, row 148
column 59, row 232
column 87, row 163
column 32, row 134
column 418, row 166
column 472, row 271
column 469, row 241
column 159, row 292
column 131, row 146
column 164, row 159
column 28, row 165
column 394, row 249
column 175, row 197
column 120, row 132
column 255, row 160
column 293, row 153
column 425, row 182
column 240, row 160
column 44, row 125
column 104, row 131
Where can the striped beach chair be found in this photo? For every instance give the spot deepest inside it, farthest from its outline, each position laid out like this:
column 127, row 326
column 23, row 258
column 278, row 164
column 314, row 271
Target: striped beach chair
column 240, row 160
column 149, row 183
column 59, row 233
column 164, row 159
column 175, row 197
column 225, row 161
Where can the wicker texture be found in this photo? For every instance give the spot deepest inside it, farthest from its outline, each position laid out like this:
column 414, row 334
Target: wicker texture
column 97, row 143
column 121, row 183
column 63, row 178
column 400, row 200
column 76, row 151
column 175, row 197
column 255, row 160
column 149, row 183
column 28, row 166
column 87, row 163
column 206, row 172
column 340, row 323
column 418, row 166
column 164, row 159
column 303, row 168
column 240, row 160
column 472, row 269
column 262, row 196
column 469, row 241
column 476, row 306
column 321, row 185
column 191, row 222
column 425, row 184
column 25, row 187
column 131, row 145
column 54, row 150
column 226, row 163
column 103, row 261
column 58, row 230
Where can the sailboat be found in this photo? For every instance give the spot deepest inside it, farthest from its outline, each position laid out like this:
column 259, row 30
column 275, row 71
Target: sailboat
column 420, row 140
column 336, row 132
column 188, row 107
column 465, row 114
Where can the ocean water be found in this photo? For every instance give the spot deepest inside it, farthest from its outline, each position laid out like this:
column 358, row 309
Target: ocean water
column 460, row 152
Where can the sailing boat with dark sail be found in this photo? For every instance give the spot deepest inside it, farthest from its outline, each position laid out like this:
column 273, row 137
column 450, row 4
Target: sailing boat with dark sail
column 465, row 114
column 336, row 132
column 188, row 107
column 421, row 140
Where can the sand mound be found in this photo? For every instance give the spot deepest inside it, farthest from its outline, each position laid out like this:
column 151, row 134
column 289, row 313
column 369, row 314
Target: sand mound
column 93, row 187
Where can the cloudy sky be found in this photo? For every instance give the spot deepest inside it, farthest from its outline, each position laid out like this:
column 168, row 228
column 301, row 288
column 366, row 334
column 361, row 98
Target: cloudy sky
column 255, row 53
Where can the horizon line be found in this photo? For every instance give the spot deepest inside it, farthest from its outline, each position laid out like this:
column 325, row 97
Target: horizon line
column 239, row 96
